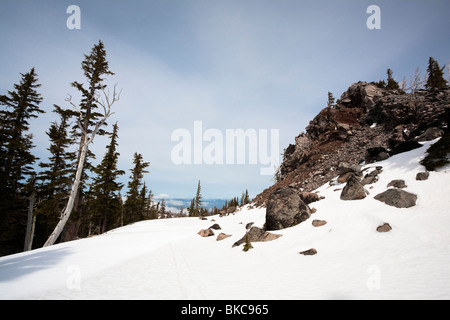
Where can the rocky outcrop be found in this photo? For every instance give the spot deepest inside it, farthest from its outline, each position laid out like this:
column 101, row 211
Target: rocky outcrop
column 285, row 209
column 366, row 124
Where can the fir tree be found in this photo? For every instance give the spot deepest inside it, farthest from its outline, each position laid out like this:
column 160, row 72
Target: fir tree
column 435, row 74
column 198, row 199
column 133, row 204
column 106, row 205
column 16, row 159
column 391, row 83
column 331, row 101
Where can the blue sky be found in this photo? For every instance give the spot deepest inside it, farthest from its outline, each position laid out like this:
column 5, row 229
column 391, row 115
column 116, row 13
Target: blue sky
column 250, row 64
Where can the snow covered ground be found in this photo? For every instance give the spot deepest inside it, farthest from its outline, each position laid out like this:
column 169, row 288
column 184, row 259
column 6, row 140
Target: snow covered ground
column 166, row 259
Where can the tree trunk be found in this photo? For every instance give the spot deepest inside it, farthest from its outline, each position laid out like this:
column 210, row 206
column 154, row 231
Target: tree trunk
column 73, row 194
column 30, row 224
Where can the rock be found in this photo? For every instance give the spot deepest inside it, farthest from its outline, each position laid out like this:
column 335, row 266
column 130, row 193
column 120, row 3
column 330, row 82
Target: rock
column 376, row 154
column 430, row 134
column 309, row 252
column 384, row 228
column 215, row 226
column 206, row 233
column 399, row 184
column 318, row 223
column 353, row 190
column 256, row 234
column 345, row 167
column 372, row 176
column 397, row 198
column 222, row 236
column 285, row 209
column 309, row 197
column 344, row 178
column 422, row 175
column 403, row 146
column 248, row 225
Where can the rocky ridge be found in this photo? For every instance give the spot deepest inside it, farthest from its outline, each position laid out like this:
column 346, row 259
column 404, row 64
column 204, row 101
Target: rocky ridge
column 366, row 124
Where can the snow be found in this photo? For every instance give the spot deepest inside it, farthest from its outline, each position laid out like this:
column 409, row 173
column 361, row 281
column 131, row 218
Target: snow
column 166, row 259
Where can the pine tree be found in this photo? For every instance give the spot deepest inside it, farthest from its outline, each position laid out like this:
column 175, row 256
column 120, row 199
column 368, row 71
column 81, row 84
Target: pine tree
column 132, row 204
column 106, row 205
column 435, row 74
column 16, row 159
column 391, row 83
column 331, row 101
column 198, row 199
column 56, row 176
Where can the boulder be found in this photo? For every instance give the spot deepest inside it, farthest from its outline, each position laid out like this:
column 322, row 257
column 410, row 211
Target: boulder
column 256, row 234
column 345, row 167
column 215, row 226
column 206, row 233
column 309, row 197
column 372, row 176
column 384, row 228
column 318, row 223
column 248, row 225
column 309, row 252
column 430, row 134
column 285, row 209
column 399, row 184
column 397, row 198
column 403, row 146
column 422, row 176
column 376, row 154
column 222, row 236
column 353, row 190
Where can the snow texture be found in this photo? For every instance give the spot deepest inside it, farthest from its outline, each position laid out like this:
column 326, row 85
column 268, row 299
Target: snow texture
column 166, row 259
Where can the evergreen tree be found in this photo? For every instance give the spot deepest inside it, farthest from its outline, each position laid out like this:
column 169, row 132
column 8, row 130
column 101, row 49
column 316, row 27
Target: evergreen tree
column 16, row 159
column 106, row 204
column 191, row 209
column 198, row 199
column 133, row 204
column 56, row 176
column 331, row 101
column 391, row 83
column 435, row 75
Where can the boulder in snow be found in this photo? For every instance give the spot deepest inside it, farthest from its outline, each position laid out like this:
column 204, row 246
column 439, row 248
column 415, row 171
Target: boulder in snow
column 397, row 198
column 205, row 233
column 222, row 236
column 309, row 252
column 422, row 175
column 318, row 223
column 384, row 228
column 353, row 190
column 256, row 234
column 399, row 184
column 285, row 209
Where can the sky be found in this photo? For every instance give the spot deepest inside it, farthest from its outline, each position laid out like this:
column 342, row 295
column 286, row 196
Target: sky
column 262, row 66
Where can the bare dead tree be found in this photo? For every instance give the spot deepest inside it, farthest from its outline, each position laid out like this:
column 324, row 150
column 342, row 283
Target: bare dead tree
column 105, row 101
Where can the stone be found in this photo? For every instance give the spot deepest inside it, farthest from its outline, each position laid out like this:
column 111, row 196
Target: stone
column 430, row 134
column 397, row 198
column 344, row 177
column 285, row 209
column 256, row 234
column 345, row 167
column 248, row 225
column 206, row 233
column 309, row 252
column 318, row 223
column 376, row 154
column 215, row 226
column 403, row 146
column 353, row 190
column 222, row 236
column 399, row 184
column 309, row 197
column 384, row 228
column 422, row 176
column 372, row 176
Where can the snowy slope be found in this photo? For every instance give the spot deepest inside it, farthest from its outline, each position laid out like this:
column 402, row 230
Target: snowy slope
column 166, row 259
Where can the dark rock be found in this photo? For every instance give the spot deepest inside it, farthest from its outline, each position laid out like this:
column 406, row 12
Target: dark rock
column 345, row 167
column 400, row 184
column 248, row 225
column 397, row 198
column 430, row 134
column 384, row 228
column 256, row 234
column 376, row 154
column 422, row 175
column 403, row 146
column 372, row 176
column 285, row 209
column 215, row 226
column 353, row 190
column 309, row 252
